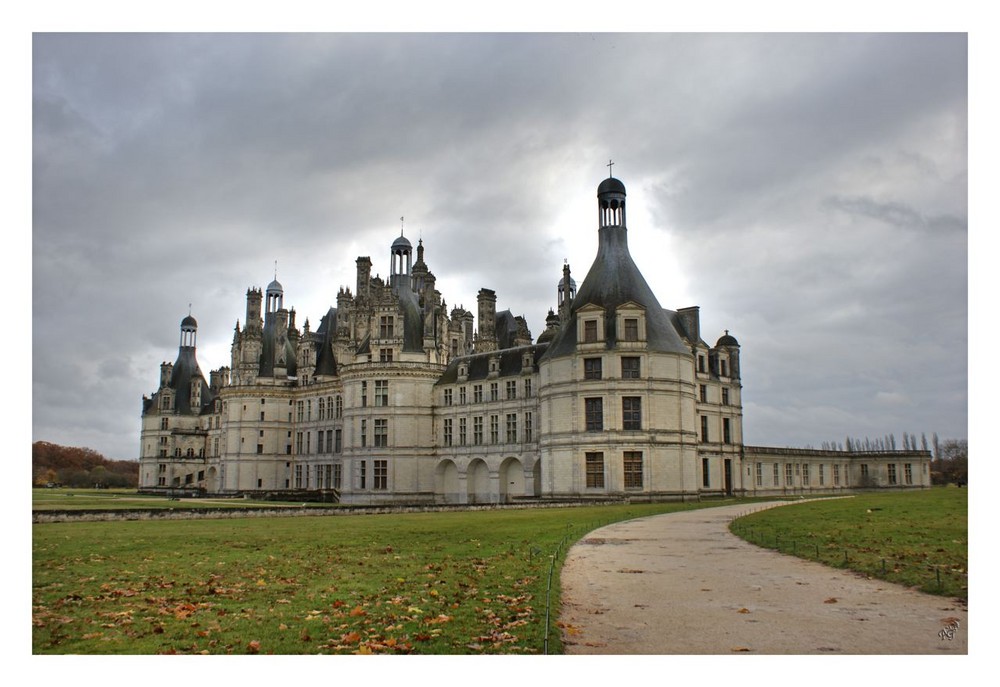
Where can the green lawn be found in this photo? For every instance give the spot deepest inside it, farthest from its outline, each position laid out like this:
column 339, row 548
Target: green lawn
column 439, row 583
column 915, row 538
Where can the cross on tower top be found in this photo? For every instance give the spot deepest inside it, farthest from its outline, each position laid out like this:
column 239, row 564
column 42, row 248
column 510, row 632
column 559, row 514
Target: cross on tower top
column 609, row 166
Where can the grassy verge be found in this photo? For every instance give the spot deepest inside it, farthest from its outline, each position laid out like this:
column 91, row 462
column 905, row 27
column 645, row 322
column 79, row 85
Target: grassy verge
column 432, row 583
column 916, row 538
column 128, row 499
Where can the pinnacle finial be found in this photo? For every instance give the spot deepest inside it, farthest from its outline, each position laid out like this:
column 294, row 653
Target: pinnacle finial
column 609, row 166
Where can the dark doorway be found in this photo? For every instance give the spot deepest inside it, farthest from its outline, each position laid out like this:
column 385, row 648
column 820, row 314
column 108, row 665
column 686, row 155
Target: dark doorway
column 729, row 476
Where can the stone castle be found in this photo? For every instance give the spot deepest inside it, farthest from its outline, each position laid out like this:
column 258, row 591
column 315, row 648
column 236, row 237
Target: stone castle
column 393, row 399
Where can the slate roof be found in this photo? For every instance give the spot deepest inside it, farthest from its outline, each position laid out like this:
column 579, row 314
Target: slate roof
column 511, row 363
column 613, row 280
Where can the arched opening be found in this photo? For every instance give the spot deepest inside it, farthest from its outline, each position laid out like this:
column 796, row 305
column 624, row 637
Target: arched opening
column 211, row 480
column 446, row 488
column 511, row 479
column 536, row 474
column 478, row 481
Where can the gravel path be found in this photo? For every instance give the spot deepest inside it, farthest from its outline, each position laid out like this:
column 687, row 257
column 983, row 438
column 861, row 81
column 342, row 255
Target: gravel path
column 682, row 584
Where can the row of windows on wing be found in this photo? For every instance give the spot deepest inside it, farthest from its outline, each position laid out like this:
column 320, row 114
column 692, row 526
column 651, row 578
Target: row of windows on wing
column 723, row 394
column 330, row 476
column 593, row 368
column 800, row 474
column 632, row 469
column 482, row 393
column 189, row 478
column 457, row 433
column 527, row 363
column 717, row 365
column 706, row 434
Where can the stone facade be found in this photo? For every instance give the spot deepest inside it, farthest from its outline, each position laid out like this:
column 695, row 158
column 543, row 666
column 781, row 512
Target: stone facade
column 394, row 399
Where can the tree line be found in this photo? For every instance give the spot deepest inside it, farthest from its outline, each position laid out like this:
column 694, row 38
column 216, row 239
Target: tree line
column 70, row 466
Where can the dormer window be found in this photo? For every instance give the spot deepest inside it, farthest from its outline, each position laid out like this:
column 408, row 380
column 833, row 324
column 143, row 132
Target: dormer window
column 590, row 325
column 630, row 324
column 631, row 329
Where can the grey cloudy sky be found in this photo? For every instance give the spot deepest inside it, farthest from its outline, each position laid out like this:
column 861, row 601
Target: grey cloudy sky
column 808, row 191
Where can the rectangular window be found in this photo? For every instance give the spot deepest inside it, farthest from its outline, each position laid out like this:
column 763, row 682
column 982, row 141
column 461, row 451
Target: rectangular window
column 494, row 391
column 461, row 431
column 777, row 474
column 836, row 475
column 805, row 474
column 511, row 389
column 337, row 474
column 381, row 433
column 892, row 473
column 381, row 392
column 447, row 431
column 760, row 474
column 300, row 410
column 701, row 363
column 385, row 327
column 527, row 427
column 527, row 388
column 319, row 442
column 590, row 331
column 591, row 368
column 477, row 393
column 594, row 408
column 461, row 395
column 309, row 410
column 477, row 430
column 380, row 474
column 632, row 469
column 364, row 433
column 822, row 475
column 703, row 393
column 726, row 435
column 298, row 476
column 631, row 412
column 447, row 397
column 789, row 477
column 329, row 441
column 594, row 470
column 705, row 480
column 494, row 429
column 364, row 394
column 704, row 428
column 630, row 368
column 725, row 396
column 338, row 447
column 298, row 443
column 340, row 407
column 631, row 329
column 511, row 428
column 864, row 471
column 908, row 473
column 362, row 473
column 385, row 355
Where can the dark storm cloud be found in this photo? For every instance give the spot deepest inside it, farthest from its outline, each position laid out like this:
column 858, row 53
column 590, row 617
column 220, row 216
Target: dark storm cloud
column 811, row 190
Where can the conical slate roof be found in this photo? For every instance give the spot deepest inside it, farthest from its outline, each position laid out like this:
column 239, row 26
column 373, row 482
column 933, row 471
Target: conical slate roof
column 612, row 281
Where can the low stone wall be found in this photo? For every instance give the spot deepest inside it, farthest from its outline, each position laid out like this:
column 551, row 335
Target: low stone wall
column 47, row 516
